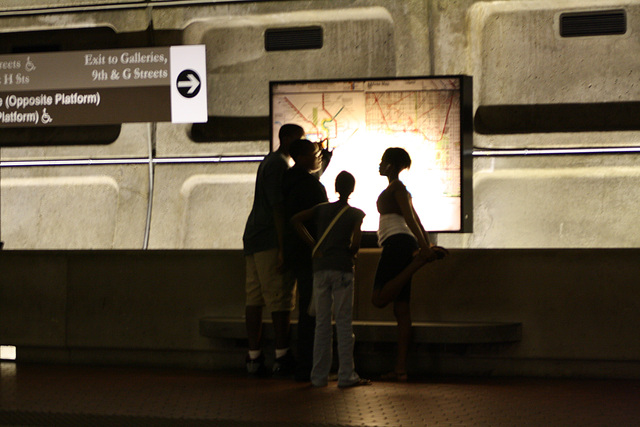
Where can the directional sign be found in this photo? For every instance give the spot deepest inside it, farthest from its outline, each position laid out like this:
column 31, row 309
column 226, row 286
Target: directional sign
column 188, row 83
column 104, row 87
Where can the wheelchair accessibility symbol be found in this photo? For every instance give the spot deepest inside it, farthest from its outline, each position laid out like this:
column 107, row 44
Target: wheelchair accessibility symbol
column 188, row 83
column 46, row 118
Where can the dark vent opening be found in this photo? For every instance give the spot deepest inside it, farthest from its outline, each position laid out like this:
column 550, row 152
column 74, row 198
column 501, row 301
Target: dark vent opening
column 60, row 135
column 58, row 40
column 546, row 118
column 232, row 129
column 277, row 39
column 600, row 23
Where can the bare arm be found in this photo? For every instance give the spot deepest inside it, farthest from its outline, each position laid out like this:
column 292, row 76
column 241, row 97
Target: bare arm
column 411, row 217
column 298, row 224
column 428, row 249
column 424, row 232
column 356, row 237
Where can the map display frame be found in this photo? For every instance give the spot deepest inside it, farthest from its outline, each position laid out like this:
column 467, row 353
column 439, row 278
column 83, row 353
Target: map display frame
column 430, row 117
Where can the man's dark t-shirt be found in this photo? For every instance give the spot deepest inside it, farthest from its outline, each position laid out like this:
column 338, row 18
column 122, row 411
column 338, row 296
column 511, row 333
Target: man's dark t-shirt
column 260, row 231
column 301, row 191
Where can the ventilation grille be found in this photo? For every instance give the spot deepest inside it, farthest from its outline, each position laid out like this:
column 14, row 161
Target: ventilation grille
column 600, row 23
column 545, row 118
column 293, row 38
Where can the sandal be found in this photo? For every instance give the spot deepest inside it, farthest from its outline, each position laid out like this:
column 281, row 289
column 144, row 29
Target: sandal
column 394, row 376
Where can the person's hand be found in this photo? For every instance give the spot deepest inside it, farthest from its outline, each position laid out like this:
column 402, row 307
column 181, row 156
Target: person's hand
column 426, row 255
column 432, row 253
column 326, row 156
column 440, row 251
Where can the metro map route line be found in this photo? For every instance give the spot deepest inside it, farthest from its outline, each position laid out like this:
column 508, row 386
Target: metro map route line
column 437, row 106
column 332, row 119
column 324, row 122
column 415, row 128
column 377, row 101
column 298, row 111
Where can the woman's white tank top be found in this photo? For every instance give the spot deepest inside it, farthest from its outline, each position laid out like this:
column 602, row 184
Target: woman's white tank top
column 391, row 224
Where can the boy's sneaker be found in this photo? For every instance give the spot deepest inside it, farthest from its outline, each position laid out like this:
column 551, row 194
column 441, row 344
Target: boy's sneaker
column 284, row 366
column 256, row 367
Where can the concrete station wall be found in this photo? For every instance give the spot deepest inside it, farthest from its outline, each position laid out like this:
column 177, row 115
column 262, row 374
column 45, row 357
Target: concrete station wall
column 578, row 308
column 577, row 305
column 512, row 49
column 67, row 206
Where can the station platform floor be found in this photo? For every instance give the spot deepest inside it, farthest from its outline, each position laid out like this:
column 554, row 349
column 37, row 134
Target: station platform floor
column 63, row 395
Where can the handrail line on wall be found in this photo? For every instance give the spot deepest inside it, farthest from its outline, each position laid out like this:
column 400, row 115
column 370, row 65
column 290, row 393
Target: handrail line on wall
column 111, row 6
column 519, row 152
column 131, row 161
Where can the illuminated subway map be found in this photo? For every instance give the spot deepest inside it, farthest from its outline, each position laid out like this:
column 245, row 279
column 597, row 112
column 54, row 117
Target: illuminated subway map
column 360, row 119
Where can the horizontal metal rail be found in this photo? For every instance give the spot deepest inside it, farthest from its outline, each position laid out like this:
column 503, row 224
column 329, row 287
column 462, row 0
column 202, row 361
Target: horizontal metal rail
column 112, row 6
column 133, row 161
column 521, row 152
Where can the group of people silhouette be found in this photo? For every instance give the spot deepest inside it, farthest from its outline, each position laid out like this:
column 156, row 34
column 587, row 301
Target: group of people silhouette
column 295, row 241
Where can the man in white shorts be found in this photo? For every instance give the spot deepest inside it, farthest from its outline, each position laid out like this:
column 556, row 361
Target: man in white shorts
column 266, row 286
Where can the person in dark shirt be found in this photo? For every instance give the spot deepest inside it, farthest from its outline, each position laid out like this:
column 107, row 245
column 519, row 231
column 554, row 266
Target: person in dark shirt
column 302, row 190
column 266, row 286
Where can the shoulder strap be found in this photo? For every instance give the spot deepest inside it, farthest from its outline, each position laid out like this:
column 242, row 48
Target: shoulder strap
column 329, row 227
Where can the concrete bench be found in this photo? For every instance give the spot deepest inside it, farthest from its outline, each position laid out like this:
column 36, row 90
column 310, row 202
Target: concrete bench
column 385, row 331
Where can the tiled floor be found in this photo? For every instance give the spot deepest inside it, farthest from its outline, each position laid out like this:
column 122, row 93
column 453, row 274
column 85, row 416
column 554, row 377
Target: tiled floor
column 54, row 395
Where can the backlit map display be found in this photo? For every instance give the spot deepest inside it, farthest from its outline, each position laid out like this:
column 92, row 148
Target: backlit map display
column 359, row 119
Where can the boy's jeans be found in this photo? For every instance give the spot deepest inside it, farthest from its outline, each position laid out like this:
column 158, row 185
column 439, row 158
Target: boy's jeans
column 332, row 286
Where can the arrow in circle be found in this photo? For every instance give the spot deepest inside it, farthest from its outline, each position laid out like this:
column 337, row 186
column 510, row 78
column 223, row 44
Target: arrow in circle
column 193, row 83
